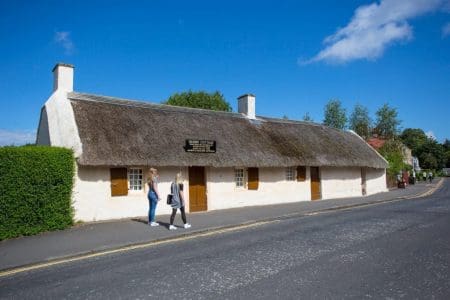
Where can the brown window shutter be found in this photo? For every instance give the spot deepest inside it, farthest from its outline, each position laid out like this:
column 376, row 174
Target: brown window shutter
column 253, row 178
column 301, row 173
column 119, row 182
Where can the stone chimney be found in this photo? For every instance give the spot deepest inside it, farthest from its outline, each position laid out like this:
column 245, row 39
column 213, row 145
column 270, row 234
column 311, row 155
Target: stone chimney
column 63, row 77
column 246, row 105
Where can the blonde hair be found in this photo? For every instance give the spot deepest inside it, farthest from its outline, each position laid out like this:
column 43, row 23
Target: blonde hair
column 152, row 174
column 179, row 178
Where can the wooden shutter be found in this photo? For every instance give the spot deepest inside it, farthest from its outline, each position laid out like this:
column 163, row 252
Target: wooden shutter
column 301, row 173
column 253, row 178
column 119, row 182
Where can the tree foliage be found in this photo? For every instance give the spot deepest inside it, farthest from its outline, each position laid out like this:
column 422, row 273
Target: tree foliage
column 307, row 117
column 392, row 152
column 432, row 155
column 414, row 139
column 200, row 99
column 360, row 121
column 446, row 146
column 335, row 115
column 387, row 122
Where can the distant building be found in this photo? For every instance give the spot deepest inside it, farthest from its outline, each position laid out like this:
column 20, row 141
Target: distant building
column 228, row 159
column 446, row 171
column 416, row 165
column 378, row 142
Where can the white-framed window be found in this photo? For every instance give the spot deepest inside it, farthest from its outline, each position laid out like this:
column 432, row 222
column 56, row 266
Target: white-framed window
column 239, row 177
column 135, row 179
column 290, row 174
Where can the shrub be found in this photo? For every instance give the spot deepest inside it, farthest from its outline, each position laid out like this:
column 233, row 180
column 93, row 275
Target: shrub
column 35, row 190
column 392, row 152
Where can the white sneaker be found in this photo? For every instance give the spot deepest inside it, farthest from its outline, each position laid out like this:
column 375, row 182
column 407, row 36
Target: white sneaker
column 187, row 225
column 171, row 227
column 154, row 224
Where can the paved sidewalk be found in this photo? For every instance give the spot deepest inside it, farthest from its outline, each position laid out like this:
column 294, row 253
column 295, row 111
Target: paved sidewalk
column 94, row 237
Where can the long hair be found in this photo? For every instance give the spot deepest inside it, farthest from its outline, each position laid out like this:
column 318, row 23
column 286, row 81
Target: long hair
column 152, row 175
column 179, row 178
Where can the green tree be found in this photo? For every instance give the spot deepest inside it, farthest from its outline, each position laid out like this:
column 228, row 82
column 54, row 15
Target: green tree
column 335, row 115
column 432, row 155
column 414, row 138
column 446, row 146
column 447, row 158
column 307, row 117
column 360, row 121
column 387, row 122
column 392, row 152
column 200, row 99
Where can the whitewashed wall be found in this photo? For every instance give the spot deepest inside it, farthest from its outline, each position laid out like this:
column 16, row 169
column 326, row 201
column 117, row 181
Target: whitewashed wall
column 57, row 125
column 93, row 201
column 92, row 198
column 375, row 181
column 340, row 182
column 273, row 188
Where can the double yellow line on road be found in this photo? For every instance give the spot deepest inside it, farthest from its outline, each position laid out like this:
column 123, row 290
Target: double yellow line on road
column 133, row 247
column 206, row 233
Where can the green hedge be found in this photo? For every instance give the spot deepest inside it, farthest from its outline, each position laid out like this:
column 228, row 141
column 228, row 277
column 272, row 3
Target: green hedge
column 35, row 190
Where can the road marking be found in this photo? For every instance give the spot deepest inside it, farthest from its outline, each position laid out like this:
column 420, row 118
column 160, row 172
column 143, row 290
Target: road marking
column 134, row 247
column 208, row 233
column 430, row 191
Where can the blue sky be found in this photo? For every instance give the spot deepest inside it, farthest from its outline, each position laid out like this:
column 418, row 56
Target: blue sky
column 293, row 55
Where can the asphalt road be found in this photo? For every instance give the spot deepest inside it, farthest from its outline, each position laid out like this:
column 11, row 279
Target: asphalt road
column 395, row 250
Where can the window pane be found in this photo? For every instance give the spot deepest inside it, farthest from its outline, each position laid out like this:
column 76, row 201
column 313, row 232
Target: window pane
column 135, row 179
column 239, row 177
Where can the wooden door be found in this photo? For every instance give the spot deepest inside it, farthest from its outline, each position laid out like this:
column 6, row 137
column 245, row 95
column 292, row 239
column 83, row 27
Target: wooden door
column 197, row 189
column 253, row 179
column 119, row 182
column 315, row 183
column 363, row 181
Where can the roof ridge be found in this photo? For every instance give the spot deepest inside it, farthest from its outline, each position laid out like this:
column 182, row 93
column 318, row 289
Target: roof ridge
column 145, row 104
column 278, row 120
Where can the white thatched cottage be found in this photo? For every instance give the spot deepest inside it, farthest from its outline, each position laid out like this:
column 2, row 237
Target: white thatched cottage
column 228, row 159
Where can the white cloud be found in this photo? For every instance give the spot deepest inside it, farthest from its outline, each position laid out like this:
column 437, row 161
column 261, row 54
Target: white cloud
column 372, row 28
column 17, row 137
column 430, row 134
column 63, row 39
column 446, row 30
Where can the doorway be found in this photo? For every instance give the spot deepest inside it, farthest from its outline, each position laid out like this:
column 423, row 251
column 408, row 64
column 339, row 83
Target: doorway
column 197, row 189
column 315, row 183
column 363, row 182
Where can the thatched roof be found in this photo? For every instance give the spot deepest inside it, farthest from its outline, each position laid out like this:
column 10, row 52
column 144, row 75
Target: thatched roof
column 118, row 132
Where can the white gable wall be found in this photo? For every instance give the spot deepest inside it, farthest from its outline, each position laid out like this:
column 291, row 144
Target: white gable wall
column 57, row 125
column 340, row 182
column 375, row 181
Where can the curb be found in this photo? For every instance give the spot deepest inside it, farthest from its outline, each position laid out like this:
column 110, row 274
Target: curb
column 202, row 232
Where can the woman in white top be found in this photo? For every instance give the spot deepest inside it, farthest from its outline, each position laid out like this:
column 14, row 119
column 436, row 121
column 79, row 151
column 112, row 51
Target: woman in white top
column 178, row 201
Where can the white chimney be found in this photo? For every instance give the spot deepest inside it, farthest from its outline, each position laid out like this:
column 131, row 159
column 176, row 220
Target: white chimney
column 63, row 77
column 246, row 105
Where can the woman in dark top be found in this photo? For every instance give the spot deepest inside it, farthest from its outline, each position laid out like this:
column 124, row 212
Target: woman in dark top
column 153, row 196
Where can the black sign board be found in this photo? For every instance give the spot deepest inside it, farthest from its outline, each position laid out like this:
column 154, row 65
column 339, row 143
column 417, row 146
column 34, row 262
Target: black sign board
column 200, row 146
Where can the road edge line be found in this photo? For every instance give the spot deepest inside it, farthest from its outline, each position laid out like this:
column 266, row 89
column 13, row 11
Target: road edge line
column 201, row 233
